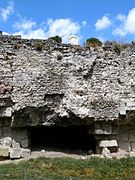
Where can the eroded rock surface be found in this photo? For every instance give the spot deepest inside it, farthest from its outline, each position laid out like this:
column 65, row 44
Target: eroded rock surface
column 61, row 85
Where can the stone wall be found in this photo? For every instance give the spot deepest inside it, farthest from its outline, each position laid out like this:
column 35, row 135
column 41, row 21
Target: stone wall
column 48, row 84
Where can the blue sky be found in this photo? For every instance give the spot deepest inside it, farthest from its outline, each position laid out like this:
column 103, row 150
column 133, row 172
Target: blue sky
column 103, row 19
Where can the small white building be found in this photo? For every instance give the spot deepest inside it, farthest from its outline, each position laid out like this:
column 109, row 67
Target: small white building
column 73, row 40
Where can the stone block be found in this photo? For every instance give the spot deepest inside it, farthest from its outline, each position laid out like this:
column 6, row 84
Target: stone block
column 122, row 110
column 130, row 103
column 102, row 131
column 125, row 146
column 25, row 152
column 7, row 141
column 15, row 153
column 1, row 56
column 5, row 112
column 8, row 112
column 25, row 143
column 106, row 153
column 15, row 144
column 4, row 151
column 133, row 146
column 108, row 143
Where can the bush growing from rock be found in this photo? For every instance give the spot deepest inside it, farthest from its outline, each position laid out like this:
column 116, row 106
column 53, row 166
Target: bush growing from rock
column 93, row 42
column 16, row 46
column 56, row 39
column 118, row 48
column 39, row 46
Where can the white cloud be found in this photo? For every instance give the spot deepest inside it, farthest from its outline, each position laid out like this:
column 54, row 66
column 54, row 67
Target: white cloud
column 101, row 38
column 84, row 23
column 121, row 17
column 29, row 30
column 5, row 33
column 120, row 32
column 32, row 34
column 24, row 25
column 61, row 27
column 128, row 24
column 6, row 12
column 103, row 23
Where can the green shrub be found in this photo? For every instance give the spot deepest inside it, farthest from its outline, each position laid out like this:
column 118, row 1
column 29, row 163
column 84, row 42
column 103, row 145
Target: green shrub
column 69, row 168
column 39, row 46
column 118, row 48
column 93, row 42
column 16, row 46
column 56, row 39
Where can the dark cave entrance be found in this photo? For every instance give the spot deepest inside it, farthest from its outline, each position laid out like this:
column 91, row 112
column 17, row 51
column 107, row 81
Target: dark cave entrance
column 67, row 139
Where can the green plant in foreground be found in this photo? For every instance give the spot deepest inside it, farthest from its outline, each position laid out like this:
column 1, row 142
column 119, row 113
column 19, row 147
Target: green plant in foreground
column 67, row 168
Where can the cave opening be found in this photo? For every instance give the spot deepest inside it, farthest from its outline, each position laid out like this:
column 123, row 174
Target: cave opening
column 65, row 139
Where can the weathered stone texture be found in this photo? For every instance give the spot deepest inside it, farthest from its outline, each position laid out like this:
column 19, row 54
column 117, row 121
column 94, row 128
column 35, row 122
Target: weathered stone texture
column 25, row 153
column 108, row 143
column 4, row 151
column 15, row 153
column 64, row 85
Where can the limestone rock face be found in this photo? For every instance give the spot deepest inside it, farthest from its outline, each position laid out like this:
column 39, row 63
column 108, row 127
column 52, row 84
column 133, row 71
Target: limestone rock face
column 45, row 88
column 62, row 85
column 85, row 85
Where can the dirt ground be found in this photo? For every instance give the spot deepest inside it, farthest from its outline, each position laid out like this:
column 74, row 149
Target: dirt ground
column 47, row 154
column 54, row 154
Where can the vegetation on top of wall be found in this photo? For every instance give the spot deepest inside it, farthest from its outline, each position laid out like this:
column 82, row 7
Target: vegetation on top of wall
column 56, row 39
column 118, row 48
column 16, row 46
column 93, row 42
column 39, row 46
